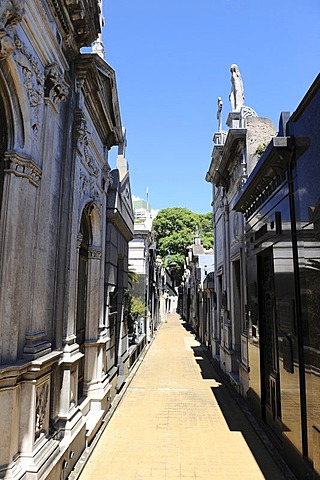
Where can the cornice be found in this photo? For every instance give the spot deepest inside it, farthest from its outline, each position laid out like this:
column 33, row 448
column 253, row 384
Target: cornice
column 22, row 166
column 223, row 156
column 269, row 173
column 115, row 217
column 234, row 138
column 215, row 160
column 79, row 18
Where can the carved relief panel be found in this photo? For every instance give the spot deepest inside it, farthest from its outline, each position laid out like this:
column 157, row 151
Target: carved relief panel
column 93, row 180
column 42, row 410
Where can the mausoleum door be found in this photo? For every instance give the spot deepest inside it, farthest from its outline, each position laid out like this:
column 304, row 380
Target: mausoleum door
column 270, row 388
column 82, row 298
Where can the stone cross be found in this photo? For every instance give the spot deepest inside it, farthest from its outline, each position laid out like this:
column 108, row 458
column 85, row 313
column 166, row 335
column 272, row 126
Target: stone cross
column 219, row 114
column 123, row 144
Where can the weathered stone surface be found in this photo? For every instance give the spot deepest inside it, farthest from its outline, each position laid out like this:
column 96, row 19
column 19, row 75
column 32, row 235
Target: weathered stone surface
column 59, row 254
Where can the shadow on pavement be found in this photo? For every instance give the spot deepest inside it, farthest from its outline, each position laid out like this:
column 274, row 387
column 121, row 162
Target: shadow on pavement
column 231, row 410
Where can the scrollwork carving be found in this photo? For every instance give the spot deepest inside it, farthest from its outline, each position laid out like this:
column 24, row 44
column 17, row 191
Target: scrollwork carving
column 89, row 187
column 33, row 80
column 81, row 139
column 33, row 76
column 11, row 13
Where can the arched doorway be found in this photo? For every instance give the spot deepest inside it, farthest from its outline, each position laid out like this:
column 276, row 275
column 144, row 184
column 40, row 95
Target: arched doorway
column 85, row 238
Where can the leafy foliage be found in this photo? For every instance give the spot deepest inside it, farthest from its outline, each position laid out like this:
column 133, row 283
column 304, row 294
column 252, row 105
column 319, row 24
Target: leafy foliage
column 206, row 229
column 133, row 277
column 137, row 307
column 260, row 149
column 174, row 230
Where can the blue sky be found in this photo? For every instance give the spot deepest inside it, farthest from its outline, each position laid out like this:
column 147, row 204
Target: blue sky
column 172, row 60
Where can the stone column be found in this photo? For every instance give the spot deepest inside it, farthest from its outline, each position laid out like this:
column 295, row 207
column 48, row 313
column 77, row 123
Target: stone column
column 22, row 178
column 95, row 346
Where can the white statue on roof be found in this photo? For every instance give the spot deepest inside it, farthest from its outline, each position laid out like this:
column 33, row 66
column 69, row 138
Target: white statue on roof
column 236, row 96
column 98, row 46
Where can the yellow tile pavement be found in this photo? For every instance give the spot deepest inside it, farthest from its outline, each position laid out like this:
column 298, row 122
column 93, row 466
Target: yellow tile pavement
column 178, row 421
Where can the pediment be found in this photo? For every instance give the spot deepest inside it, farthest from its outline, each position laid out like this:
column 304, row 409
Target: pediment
column 97, row 80
column 125, row 192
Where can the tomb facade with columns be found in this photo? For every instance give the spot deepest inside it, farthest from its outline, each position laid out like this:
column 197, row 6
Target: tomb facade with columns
column 61, row 250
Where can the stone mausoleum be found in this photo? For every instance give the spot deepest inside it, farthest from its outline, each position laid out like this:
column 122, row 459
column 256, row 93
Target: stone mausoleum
column 281, row 206
column 66, row 219
column 234, row 156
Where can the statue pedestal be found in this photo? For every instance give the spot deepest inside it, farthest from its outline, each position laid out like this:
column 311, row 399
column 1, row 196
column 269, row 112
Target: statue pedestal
column 233, row 120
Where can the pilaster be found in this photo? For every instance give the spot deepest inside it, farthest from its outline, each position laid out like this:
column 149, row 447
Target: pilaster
column 21, row 181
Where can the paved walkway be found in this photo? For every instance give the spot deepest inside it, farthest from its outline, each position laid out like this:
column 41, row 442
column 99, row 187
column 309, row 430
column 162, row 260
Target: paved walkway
column 177, row 421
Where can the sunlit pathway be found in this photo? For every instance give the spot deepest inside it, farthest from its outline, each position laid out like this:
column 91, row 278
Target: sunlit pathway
column 176, row 421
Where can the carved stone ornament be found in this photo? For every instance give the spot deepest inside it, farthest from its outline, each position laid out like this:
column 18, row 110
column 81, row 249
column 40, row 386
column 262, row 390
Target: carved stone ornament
column 126, row 193
column 89, row 188
column 81, row 139
column 55, row 86
column 80, row 131
column 22, row 166
column 33, row 81
column 86, row 183
column 79, row 240
column 95, row 253
column 11, row 13
column 106, row 178
column 42, row 396
column 33, row 76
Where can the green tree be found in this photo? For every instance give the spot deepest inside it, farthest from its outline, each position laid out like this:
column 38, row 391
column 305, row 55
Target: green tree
column 206, row 229
column 174, row 230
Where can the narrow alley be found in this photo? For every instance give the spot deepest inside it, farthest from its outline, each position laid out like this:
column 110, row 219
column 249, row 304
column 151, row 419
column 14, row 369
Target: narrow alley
column 177, row 420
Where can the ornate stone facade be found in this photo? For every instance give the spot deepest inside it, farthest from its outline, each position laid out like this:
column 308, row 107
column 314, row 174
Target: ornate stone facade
column 11, row 13
column 57, row 375
column 234, row 156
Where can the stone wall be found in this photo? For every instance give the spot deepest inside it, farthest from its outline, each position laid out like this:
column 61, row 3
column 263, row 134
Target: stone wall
column 55, row 241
